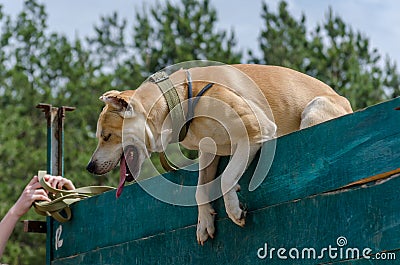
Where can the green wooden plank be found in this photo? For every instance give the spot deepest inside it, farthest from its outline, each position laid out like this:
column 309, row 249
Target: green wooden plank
column 103, row 220
column 332, row 155
column 312, row 161
column 367, row 217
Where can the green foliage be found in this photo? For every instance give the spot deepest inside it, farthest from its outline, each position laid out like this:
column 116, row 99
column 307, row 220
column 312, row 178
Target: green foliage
column 37, row 65
column 332, row 52
column 172, row 33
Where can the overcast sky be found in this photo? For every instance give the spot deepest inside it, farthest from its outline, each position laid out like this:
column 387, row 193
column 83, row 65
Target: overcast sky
column 376, row 19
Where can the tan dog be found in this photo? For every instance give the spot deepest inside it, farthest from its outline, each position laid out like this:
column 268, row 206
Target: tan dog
column 233, row 113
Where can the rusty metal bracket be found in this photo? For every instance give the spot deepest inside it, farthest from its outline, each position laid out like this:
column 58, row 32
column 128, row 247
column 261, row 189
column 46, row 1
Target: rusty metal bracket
column 34, row 226
column 55, row 137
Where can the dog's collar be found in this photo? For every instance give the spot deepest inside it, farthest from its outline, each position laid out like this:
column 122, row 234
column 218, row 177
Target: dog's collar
column 179, row 123
column 179, row 128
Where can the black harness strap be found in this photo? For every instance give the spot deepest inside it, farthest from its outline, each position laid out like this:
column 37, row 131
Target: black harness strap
column 192, row 101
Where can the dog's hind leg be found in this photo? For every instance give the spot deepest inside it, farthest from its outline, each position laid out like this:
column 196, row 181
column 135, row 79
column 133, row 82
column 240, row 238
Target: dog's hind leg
column 240, row 160
column 324, row 108
column 208, row 167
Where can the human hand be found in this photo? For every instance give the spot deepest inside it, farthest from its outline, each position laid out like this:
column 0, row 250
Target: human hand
column 58, row 182
column 32, row 192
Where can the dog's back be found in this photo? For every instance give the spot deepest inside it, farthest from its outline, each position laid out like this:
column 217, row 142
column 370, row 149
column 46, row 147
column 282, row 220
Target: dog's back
column 289, row 92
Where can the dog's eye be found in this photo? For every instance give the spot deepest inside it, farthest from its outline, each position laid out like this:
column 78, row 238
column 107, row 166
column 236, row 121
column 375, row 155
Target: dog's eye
column 106, row 137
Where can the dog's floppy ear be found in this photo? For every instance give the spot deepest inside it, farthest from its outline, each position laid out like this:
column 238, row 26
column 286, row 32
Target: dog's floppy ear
column 120, row 101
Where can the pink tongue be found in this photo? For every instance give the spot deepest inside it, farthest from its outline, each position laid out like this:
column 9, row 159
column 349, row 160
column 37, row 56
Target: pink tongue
column 122, row 176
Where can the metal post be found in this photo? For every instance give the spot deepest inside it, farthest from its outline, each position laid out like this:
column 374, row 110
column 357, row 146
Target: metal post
column 49, row 113
column 59, row 131
column 55, row 154
column 55, row 137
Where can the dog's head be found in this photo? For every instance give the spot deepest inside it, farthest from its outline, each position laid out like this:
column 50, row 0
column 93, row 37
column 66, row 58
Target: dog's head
column 121, row 137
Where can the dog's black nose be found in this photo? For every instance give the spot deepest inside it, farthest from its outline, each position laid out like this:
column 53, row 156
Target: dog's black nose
column 91, row 167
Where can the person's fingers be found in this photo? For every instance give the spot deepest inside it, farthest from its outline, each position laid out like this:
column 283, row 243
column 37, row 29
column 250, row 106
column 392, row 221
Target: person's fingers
column 68, row 184
column 40, row 195
column 59, row 182
column 34, row 180
column 49, row 180
column 36, row 186
column 40, row 191
column 31, row 195
column 53, row 181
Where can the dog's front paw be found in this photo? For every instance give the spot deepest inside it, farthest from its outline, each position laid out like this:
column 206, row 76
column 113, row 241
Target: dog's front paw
column 233, row 207
column 205, row 224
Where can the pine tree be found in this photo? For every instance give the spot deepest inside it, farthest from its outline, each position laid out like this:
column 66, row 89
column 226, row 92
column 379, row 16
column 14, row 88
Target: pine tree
column 332, row 52
column 185, row 31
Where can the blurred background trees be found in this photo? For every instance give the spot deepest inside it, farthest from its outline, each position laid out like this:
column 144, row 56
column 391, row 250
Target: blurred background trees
column 37, row 65
column 332, row 52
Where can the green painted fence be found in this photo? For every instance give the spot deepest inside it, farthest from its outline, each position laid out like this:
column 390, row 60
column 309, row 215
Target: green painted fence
column 308, row 210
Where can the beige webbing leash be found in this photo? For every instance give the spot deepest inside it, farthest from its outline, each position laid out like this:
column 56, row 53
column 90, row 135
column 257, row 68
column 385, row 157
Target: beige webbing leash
column 62, row 199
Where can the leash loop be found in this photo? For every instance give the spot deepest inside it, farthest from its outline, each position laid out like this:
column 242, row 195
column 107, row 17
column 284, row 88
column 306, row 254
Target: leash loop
column 63, row 199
